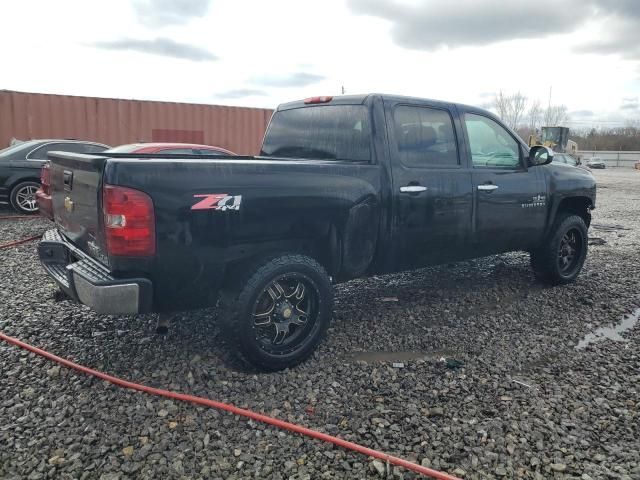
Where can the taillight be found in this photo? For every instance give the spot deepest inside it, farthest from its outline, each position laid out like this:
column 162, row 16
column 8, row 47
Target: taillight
column 322, row 99
column 45, row 178
column 129, row 222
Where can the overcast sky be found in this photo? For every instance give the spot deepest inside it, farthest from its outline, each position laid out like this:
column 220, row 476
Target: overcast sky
column 261, row 53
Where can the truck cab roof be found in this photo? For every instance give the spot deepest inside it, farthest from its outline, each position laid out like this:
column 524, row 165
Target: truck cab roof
column 361, row 99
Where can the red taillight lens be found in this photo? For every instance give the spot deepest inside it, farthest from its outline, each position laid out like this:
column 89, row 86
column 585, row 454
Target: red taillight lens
column 129, row 222
column 45, row 178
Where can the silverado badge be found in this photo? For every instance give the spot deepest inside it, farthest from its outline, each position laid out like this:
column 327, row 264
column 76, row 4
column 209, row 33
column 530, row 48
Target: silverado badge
column 536, row 201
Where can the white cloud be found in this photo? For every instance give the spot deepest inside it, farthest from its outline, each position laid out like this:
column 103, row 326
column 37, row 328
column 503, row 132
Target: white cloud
column 281, row 50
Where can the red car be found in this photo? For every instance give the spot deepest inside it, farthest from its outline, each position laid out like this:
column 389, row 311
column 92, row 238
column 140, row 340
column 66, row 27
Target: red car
column 43, row 194
column 170, row 148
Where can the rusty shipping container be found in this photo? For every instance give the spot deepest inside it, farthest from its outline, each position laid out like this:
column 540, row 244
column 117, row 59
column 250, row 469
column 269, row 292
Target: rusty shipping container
column 115, row 122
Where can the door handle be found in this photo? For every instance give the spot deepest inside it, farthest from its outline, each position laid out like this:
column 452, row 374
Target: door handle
column 68, row 180
column 413, row 189
column 487, row 188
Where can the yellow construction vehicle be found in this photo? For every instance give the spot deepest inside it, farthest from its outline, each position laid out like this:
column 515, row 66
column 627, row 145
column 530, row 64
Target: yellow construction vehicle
column 557, row 138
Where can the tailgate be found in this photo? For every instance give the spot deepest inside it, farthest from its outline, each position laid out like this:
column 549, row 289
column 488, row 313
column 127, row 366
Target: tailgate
column 76, row 195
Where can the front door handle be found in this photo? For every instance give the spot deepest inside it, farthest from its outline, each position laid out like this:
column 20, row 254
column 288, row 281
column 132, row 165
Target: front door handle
column 487, row 188
column 413, row 189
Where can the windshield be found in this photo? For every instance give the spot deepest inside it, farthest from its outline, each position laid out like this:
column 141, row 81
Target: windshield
column 327, row 132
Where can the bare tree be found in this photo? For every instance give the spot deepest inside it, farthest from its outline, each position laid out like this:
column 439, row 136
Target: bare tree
column 501, row 104
column 555, row 115
column 535, row 115
column 518, row 106
column 510, row 108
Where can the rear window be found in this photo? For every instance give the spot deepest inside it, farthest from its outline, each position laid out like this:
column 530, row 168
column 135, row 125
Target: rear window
column 327, row 132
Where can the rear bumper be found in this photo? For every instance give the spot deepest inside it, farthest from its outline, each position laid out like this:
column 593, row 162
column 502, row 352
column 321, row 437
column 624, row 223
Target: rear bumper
column 89, row 282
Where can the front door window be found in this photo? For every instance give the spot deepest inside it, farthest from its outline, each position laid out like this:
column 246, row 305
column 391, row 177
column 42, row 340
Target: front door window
column 491, row 145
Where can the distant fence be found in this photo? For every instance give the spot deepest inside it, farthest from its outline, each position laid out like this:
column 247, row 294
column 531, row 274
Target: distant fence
column 611, row 158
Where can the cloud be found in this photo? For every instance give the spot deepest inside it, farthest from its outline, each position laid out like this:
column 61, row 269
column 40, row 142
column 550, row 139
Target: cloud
column 630, row 103
column 241, row 93
column 430, row 24
column 298, row 79
column 619, row 7
column 581, row 113
column 621, row 37
column 160, row 13
column 160, row 46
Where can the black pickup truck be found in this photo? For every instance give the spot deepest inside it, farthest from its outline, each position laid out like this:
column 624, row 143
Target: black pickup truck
column 343, row 187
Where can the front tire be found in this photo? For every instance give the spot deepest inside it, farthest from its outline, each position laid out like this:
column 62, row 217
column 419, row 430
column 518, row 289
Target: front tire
column 277, row 314
column 23, row 197
column 560, row 259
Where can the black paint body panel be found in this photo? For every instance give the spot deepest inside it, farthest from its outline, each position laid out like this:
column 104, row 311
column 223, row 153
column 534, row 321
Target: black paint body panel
column 350, row 216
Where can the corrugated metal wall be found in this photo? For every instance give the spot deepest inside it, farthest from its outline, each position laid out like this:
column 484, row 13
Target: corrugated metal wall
column 115, row 122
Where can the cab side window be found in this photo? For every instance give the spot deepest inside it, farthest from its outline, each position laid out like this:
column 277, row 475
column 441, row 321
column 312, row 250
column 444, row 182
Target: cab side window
column 203, row 151
column 491, row 145
column 177, row 151
column 425, row 137
column 41, row 153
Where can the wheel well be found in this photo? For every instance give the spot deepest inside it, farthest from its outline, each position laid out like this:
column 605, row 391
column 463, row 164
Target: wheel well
column 20, row 180
column 316, row 250
column 581, row 206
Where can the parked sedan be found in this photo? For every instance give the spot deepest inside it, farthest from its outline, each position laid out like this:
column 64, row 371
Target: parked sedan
column 567, row 159
column 20, row 166
column 171, row 148
column 44, row 197
column 596, row 162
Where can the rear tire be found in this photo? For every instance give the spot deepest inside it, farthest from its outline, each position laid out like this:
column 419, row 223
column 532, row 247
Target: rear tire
column 275, row 316
column 23, row 197
column 560, row 259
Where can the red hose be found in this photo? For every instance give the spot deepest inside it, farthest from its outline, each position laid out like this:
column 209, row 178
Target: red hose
column 18, row 242
column 236, row 411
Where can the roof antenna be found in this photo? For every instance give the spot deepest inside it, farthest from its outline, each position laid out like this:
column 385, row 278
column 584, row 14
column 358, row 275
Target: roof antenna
column 342, row 89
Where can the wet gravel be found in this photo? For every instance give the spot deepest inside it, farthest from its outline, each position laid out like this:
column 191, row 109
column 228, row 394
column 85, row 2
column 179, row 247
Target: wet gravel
column 518, row 401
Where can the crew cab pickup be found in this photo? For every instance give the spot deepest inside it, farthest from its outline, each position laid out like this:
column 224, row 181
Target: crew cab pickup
column 343, row 187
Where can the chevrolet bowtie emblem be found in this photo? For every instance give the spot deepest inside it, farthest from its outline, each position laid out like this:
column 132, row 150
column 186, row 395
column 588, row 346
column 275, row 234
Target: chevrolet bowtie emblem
column 68, row 204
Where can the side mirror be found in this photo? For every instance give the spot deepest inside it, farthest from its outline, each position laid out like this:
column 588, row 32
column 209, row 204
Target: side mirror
column 540, row 155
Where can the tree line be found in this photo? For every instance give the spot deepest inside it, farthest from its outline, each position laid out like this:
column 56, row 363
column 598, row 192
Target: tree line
column 620, row 138
column 527, row 118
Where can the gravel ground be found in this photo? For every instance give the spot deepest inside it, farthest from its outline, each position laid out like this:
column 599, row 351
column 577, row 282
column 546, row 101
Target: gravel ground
column 526, row 403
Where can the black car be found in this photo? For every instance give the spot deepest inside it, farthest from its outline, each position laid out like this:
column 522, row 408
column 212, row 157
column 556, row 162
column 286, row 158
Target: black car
column 344, row 187
column 20, row 166
column 565, row 158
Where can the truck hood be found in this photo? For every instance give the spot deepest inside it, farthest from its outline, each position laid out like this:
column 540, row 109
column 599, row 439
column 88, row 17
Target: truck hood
column 570, row 181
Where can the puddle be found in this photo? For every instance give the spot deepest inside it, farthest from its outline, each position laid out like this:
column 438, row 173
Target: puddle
column 596, row 241
column 611, row 332
column 406, row 356
column 608, row 228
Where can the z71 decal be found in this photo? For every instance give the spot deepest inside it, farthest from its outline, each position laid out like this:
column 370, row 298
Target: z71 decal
column 217, row 201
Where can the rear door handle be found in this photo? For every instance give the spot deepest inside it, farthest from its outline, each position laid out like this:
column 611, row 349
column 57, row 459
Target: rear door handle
column 487, row 188
column 413, row 189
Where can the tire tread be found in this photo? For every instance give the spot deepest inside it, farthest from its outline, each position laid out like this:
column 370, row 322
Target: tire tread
column 238, row 294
